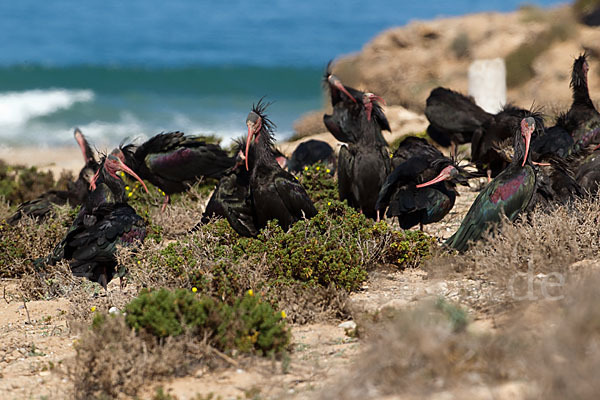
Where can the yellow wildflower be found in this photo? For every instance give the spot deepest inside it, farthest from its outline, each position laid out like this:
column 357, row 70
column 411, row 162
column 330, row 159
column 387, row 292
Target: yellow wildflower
column 194, row 289
column 318, row 168
column 250, row 292
column 306, row 168
column 93, row 309
column 328, row 170
column 283, row 314
column 127, row 188
column 328, row 203
column 129, row 194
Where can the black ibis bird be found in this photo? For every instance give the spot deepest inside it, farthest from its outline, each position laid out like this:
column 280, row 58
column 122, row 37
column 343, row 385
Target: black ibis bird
column 364, row 163
column 173, row 162
column 274, row 192
column 588, row 172
column 555, row 181
column 582, row 120
column 311, row 152
column 499, row 128
column 76, row 193
column 508, row 194
column 104, row 221
column 231, row 198
column 346, row 121
column 453, row 118
column 415, row 191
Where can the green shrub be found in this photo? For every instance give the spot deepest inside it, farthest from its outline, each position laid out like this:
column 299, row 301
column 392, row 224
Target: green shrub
column 461, row 45
column 248, row 324
column 319, row 184
column 408, row 248
column 336, row 247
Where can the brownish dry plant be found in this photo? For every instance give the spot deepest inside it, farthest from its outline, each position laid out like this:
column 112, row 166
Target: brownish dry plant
column 547, row 350
column 112, row 360
column 522, row 257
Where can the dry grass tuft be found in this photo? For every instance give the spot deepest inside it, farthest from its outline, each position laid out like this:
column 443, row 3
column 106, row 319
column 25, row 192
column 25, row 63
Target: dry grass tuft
column 30, row 239
column 112, row 360
column 545, row 243
column 548, row 350
column 424, row 351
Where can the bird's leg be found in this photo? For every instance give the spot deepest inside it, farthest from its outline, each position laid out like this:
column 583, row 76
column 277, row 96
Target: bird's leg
column 453, row 150
column 421, row 227
column 489, row 175
column 164, row 206
column 103, row 282
column 377, row 220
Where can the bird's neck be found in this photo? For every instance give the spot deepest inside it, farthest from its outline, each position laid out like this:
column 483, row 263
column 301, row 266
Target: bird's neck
column 581, row 94
column 263, row 151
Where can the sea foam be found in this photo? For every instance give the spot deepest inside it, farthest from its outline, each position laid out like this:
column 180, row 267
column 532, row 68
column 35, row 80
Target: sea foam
column 20, row 107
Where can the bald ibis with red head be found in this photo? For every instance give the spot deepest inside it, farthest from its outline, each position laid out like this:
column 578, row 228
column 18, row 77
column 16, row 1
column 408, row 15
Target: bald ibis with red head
column 453, row 118
column 404, row 193
column 350, row 107
column 500, row 128
column 104, row 222
column 509, row 194
column 274, row 192
column 76, row 193
column 173, row 161
column 364, row 163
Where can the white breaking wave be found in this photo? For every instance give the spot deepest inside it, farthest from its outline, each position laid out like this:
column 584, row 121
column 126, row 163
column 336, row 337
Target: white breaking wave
column 17, row 108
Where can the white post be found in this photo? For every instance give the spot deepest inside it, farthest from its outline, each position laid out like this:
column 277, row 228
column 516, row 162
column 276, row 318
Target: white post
column 487, row 84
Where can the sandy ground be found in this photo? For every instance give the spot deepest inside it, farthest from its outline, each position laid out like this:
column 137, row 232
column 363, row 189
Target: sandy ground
column 55, row 159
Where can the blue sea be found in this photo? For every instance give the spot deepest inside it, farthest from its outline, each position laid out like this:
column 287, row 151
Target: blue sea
column 134, row 68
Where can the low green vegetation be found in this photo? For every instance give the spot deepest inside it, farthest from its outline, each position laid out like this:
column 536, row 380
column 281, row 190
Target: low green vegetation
column 336, row 247
column 318, row 181
column 248, row 324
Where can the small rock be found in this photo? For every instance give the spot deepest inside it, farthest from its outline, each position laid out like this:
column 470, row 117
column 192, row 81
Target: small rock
column 44, row 373
column 347, row 325
column 396, row 304
column 114, row 310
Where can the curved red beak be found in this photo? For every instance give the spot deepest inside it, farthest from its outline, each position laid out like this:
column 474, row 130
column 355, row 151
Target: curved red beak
column 338, row 84
column 445, row 174
column 596, row 148
column 129, row 171
column 527, row 127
